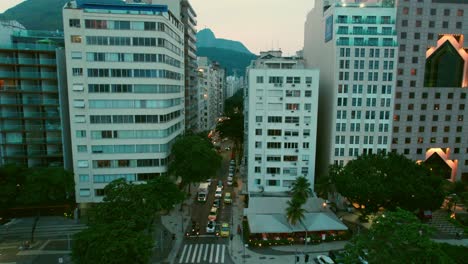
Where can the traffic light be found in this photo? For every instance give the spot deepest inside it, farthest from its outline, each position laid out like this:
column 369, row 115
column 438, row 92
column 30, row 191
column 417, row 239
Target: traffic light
column 306, row 257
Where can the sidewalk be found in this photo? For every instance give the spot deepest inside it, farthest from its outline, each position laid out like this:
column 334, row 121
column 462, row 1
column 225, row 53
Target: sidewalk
column 175, row 222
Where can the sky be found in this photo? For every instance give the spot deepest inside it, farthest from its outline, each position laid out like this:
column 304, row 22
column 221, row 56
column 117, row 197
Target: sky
column 259, row 24
column 5, row 4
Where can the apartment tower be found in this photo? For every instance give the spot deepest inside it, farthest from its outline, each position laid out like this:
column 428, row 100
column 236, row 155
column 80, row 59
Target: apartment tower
column 354, row 44
column 126, row 91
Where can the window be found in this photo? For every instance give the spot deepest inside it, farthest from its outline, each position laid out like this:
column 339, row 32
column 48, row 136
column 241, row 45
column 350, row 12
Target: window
column 259, row 79
column 76, row 55
column 431, row 24
column 445, row 24
column 83, row 164
column 75, row 23
column 82, row 148
column 446, row 12
column 77, row 71
column 259, row 119
column 75, row 39
column 85, row 192
column 460, row 12
column 80, row 119
column 84, row 178
column 433, row 11
column 458, row 25
column 80, row 133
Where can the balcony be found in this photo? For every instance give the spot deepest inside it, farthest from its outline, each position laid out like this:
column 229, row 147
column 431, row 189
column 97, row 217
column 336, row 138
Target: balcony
column 28, row 75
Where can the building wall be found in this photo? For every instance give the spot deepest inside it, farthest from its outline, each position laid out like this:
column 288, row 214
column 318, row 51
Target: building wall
column 30, row 123
column 281, row 125
column 122, row 131
column 354, row 47
column 211, row 86
column 431, row 119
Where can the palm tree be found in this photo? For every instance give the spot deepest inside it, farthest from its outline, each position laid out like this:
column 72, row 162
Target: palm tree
column 301, row 189
column 295, row 212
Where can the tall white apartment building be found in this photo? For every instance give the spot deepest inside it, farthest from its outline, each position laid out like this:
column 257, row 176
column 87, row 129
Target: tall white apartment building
column 431, row 111
column 126, row 91
column 211, row 82
column 280, row 112
column 354, row 46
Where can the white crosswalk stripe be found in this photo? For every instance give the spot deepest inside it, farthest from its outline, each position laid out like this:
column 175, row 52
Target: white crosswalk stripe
column 203, row 253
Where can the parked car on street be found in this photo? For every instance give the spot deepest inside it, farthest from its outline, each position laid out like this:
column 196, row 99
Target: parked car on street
column 322, row 259
column 210, row 226
column 218, row 193
column 213, row 214
column 225, row 230
column 229, row 181
column 227, row 198
column 220, row 185
column 217, row 203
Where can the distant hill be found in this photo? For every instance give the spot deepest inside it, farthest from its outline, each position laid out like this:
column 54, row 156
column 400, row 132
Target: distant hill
column 231, row 60
column 206, row 39
column 37, row 14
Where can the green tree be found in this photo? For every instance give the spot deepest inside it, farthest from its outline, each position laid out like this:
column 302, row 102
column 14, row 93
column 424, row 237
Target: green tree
column 396, row 237
column 193, row 159
column 294, row 211
column 233, row 128
column 301, row 189
column 111, row 243
column 11, row 179
column 234, row 104
column 388, row 180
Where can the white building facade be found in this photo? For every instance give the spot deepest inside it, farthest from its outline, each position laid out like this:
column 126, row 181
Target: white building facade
column 354, row 46
column 280, row 111
column 126, row 91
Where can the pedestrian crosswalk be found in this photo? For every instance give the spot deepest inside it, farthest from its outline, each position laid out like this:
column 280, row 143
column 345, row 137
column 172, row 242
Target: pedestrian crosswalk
column 203, row 253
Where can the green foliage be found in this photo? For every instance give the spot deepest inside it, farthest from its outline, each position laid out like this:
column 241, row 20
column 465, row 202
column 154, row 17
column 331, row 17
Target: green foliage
column 232, row 61
column 232, row 128
column 388, row 180
column 294, row 211
column 121, row 226
column 396, row 237
column 458, row 254
column 11, row 178
column 234, row 104
column 47, row 14
column 301, row 190
column 194, row 159
column 111, row 243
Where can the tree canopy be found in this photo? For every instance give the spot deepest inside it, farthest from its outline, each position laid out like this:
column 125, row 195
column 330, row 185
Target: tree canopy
column 193, row 159
column 300, row 191
column 121, row 226
column 396, row 237
column 388, row 180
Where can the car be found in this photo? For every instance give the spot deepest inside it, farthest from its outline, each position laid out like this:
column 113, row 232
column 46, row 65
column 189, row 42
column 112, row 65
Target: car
column 322, row 259
column 337, row 255
column 217, row 203
column 232, row 162
column 227, row 198
column 220, row 185
column 213, row 214
column 227, row 148
column 218, row 193
column 224, row 230
column 231, row 174
column 231, row 169
column 229, row 181
column 210, row 226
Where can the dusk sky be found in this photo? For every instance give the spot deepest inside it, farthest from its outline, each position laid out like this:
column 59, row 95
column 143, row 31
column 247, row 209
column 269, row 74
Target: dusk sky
column 259, row 24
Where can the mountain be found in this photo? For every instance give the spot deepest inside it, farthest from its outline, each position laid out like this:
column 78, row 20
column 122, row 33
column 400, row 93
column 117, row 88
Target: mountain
column 37, row 14
column 206, row 39
column 232, row 61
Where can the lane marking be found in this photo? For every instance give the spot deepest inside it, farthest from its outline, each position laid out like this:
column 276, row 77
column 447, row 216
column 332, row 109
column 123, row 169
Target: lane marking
column 188, row 253
column 195, row 249
column 200, row 253
column 206, row 252
column 222, row 254
column 183, row 253
column 217, row 253
column 211, row 253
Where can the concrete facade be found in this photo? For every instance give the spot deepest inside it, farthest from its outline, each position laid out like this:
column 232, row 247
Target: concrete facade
column 431, row 111
column 280, row 111
column 125, row 89
column 354, row 46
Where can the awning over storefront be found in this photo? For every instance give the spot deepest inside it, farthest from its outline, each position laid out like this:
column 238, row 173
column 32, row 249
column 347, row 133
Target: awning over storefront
column 268, row 215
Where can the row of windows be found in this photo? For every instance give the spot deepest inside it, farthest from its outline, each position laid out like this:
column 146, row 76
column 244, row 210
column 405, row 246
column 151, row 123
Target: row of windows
column 136, row 73
column 130, row 119
column 361, row 19
column 370, row 30
column 279, row 145
column 135, row 88
column 371, row 76
column 129, row 104
column 371, row 64
column 372, row 52
column 422, row 129
column 423, row 118
column 420, row 140
column 132, row 57
column 356, row 127
column 370, row 102
column 128, row 41
column 433, row 11
column 279, row 132
column 356, row 140
column 435, row 107
column 418, row 24
column 356, row 114
column 289, row 79
column 126, row 163
column 359, row 89
column 135, row 134
column 425, row 95
column 279, row 119
column 140, row 148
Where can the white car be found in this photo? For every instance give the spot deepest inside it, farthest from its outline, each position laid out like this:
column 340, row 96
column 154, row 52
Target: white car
column 231, row 174
column 229, row 181
column 210, row 227
column 218, row 193
column 322, row 259
column 209, row 182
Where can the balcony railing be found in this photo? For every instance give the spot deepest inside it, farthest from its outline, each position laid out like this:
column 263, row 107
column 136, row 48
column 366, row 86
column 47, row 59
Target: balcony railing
column 22, row 74
column 28, row 101
column 30, row 88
